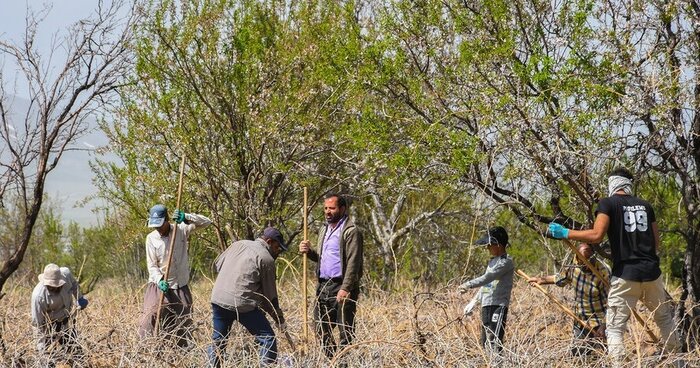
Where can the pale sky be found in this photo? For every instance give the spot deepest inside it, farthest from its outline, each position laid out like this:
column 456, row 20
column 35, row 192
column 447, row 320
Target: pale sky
column 72, row 180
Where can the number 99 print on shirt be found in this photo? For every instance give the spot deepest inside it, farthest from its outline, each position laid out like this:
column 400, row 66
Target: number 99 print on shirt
column 631, row 236
column 636, row 218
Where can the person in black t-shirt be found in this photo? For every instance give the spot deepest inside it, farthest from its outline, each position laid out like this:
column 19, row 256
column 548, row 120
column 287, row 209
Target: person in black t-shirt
column 630, row 225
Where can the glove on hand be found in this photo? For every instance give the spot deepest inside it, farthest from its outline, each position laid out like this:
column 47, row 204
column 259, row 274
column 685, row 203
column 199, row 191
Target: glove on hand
column 82, row 303
column 462, row 288
column 557, row 231
column 163, row 286
column 179, row 216
column 469, row 308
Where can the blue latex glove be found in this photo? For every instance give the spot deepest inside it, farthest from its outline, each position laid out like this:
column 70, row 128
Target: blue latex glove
column 179, row 216
column 82, row 302
column 557, row 231
column 163, row 286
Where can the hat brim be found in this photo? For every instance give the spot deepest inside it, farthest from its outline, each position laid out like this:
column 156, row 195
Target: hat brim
column 281, row 243
column 51, row 283
column 156, row 221
column 486, row 240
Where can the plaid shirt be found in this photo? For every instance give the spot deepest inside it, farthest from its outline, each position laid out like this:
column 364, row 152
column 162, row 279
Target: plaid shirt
column 591, row 295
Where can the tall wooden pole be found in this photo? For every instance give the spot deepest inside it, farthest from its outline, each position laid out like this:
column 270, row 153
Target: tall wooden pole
column 170, row 248
column 304, row 281
column 604, row 280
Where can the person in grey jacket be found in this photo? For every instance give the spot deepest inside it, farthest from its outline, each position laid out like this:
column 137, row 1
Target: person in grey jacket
column 495, row 287
column 245, row 287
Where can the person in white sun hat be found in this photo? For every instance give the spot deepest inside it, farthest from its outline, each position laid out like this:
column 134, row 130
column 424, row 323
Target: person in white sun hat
column 52, row 305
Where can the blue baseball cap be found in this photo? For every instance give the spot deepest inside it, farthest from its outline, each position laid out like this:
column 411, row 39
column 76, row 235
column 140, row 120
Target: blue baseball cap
column 157, row 215
column 274, row 234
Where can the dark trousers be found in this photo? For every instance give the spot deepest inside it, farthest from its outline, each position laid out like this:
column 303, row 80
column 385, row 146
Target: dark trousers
column 62, row 333
column 58, row 341
column 493, row 327
column 585, row 342
column 328, row 314
column 254, row 321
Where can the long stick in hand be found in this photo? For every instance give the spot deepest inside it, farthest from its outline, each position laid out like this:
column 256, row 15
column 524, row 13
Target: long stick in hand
column 304, row 282
column 556, row 301
column 170, row 248
column 604, row 280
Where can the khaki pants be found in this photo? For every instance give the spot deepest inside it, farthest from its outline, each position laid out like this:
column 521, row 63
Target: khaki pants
column 623, row 296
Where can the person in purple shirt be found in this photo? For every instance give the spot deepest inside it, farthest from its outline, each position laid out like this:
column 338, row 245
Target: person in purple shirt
column 339, row 270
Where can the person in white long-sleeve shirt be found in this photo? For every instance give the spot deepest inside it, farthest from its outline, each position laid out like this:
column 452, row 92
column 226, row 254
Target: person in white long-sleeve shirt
column 52, row 303
column 177, row 306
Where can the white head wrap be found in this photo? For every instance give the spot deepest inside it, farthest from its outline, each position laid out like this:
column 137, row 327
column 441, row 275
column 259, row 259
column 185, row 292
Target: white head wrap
column 616, row 183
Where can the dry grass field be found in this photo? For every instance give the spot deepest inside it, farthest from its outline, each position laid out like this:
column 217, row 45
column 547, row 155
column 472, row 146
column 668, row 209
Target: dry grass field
column 410, row 328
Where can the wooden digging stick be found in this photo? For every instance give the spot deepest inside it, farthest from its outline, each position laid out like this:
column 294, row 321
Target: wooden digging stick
column 170, row 248
column 604, row 280
column 289, row 340
column 555, row 301
column 303, row 268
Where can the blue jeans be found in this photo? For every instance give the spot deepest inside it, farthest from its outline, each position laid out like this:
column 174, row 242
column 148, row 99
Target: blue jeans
column 254, row 321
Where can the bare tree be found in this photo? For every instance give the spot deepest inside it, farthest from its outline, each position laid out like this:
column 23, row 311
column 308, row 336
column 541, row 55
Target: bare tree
column 63, row 98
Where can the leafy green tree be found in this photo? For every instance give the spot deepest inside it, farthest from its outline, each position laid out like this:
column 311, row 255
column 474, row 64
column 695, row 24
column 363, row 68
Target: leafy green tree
column 47, row 243
column 662, row 102
column 106, row 250
column 251, row 94
column 394, row 157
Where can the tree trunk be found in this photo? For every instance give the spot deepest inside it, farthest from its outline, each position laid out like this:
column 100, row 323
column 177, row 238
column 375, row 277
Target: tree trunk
column 690, row 317
column 12, row 264
column 388, row 267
